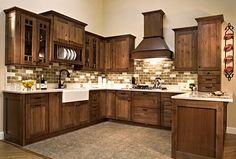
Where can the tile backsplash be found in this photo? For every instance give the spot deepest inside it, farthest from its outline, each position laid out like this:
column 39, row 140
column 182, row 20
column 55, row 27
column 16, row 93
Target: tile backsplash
column 145, row 71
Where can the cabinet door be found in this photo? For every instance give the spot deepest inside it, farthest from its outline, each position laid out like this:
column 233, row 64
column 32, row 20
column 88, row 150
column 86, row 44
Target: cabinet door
column 111, row 104
column 68, row 115
column 61, row 30
column 108, row 55
column 54, row 112
column 76, row 35
column 36, row 116
column 123, row 105
column 209, row 45
column 82, row 112
column 102, row 103
column 28, row 43
column 186, row 49
column 101, row 62
column 121, row 54
column 42, row 51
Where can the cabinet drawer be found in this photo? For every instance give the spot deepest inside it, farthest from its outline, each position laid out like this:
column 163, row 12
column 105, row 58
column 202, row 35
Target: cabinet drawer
column 209, row 79
column 146, row 115
column 208, row 73
column 209, row 87
column 124, row 94
column 36, row 98
column 145, row 99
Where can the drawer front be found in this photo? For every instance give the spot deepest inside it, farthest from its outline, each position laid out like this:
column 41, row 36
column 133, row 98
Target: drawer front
column 208, row 73
column 146, row 115
column 143, row 99
column 37, row 98
column 209, row 87
column 208, row 79
column 124, row 94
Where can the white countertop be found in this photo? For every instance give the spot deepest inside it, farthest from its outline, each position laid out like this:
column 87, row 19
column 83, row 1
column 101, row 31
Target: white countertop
column 227, row 97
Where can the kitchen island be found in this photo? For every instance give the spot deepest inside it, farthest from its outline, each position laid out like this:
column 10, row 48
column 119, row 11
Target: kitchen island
column 199, row 123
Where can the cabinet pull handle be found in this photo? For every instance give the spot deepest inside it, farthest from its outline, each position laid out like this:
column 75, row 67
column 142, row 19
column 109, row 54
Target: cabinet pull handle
column 208, row 87
column 144, row 109
column 208, row 79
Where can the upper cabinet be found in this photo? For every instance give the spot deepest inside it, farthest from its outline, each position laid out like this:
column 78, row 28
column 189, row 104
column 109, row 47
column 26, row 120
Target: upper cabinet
column 67, row 38
column 27, row 38
column 93, row 52
column 186, row 49
column 209, row 43
column 118, row 53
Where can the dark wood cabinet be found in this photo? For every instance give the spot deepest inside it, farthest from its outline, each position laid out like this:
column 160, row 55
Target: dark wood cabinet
column 54, row 111
column 102, row 103
column 186, row 49
column 81, row 113
column 68, row 115
column 146, row 108
column 27, row 38
column 118, row 53
column 111, row 104
column 67, row 34
column 91, row 55
column 198, row 129
column 209, row 53
column 123, row 105
column 94, row 105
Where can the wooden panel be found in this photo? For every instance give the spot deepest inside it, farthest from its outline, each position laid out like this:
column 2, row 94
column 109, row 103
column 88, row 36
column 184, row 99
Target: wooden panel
column 146, row 115
column 121, row 54
column 94, row 103
column 191, row 122
column 76, row 34
column 209, row 87
column 209, row 43
column 111, row 104
column 13, row 112
column 186, row 49
column 36, row 117
column 108, row 55
column 37, row 98
column 123, row 102
column 209, row 73
column 146, row 99
column 102, row 103
column 55, row 112
column 68, row 115
column 83, row 112
column 61, row 30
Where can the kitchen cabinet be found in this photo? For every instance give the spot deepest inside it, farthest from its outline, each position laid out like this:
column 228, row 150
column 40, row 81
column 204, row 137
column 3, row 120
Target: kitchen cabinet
column 118, row 53
column 68, row 115
column 198, row 129
column 66, row 33
column 102, row 103
column 36, row 115
column 111, row 105
column 26, row 38
column 55, row 106
column 209, row 53
column 94, row 105
column 123, row 104
column 166, row 109
column 81, row 112
column 146, row 108
column 186, row 49
column 91, row 54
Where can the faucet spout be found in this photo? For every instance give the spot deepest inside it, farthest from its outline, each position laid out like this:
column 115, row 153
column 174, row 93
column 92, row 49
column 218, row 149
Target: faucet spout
column 60, row 85
column 157, row 83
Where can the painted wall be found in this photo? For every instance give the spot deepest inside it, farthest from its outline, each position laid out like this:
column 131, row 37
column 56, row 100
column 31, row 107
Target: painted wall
column 87, row 11
column 125, row 17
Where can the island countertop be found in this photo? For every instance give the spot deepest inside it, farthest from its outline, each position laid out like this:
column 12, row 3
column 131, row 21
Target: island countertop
column 227, row 97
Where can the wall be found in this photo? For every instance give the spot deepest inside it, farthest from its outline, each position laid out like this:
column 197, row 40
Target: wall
column 88, row 11
column 125, row 17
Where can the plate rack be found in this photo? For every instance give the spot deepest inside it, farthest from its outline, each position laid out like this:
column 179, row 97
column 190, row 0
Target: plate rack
column 229, row 51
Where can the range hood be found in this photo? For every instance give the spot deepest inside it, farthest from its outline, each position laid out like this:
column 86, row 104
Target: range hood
column 153, row 44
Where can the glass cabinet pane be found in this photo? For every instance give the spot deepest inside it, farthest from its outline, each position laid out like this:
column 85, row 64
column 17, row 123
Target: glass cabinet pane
column 42, row 43
column 28, row 39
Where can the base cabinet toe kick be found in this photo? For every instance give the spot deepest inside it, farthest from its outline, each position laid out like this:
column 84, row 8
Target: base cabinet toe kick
column 198, row 129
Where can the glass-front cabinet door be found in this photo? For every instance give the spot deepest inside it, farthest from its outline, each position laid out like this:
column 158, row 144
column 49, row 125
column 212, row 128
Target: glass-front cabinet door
column 41, row 56
column 28, row 31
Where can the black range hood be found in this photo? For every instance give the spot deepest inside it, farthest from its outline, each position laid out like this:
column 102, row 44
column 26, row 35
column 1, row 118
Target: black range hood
column 153, row 45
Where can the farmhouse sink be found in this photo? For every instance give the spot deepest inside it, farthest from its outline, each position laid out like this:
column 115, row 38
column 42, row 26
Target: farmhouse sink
column 73, row 95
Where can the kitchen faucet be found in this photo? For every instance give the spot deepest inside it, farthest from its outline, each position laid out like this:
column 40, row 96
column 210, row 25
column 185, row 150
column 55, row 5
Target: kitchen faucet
column 60, row 84
column 157, row 83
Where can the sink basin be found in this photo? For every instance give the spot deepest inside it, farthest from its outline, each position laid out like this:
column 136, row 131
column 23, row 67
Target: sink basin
column 73, row 95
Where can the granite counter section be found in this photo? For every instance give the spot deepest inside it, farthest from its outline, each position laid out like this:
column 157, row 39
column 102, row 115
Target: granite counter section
column 227, row 97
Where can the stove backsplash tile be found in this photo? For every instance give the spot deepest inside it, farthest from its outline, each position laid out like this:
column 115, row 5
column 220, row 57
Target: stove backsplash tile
column 144, row 72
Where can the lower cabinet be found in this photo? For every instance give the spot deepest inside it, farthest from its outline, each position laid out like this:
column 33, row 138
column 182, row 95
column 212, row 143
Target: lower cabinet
column 81, row 112
column 111, row 104
column 36, row 115
column 94, row 105
column 146, row 108
column 123, row 103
